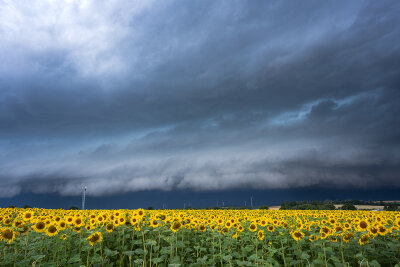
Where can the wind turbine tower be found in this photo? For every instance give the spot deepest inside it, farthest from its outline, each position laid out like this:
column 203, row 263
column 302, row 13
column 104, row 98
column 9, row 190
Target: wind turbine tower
column 83, row 197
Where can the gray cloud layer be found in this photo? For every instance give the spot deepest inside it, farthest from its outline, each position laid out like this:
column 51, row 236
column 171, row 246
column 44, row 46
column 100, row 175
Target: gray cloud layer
column 198, row 95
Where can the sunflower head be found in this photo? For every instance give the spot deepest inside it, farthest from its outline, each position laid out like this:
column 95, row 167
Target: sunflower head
column 202, row 227
column 260, row 235
column 364, row 239
column 52, row 230
column 297, row 235
column 313, row 238
column 77, row 221
column 333, row 238
column 7, row 234
column 27, row 215
column 347, row 237
column 109, row 227
column 253, row 227
column 62, row 225
column 95, row 238
column 382, row 230
column 134, row 220
column 39, row 227
column 23, row 229
column 363, row 225
column 176, row 226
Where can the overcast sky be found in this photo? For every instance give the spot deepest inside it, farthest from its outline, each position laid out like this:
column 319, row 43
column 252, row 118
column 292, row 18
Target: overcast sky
column 126, row 96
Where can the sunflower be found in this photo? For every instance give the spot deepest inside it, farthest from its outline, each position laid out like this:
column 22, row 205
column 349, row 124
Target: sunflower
column 373, row 230
column 7, row 234
column 23, row 229
column 39, row 227
column 63, row 237
column 202, row 228
column 333, row 238
column 99, row 219
column 271, row 228
column 109, row 227
column 121, row 220
column 95, row 238
column 235, row 236
column 253, row 227
column 297, row 235
column 62, row 225
column 284, row 224
column 260, row 235
column 134, row 220
column 78, row 222
column 382, row 230
column 224, row 230
column 140, row 212
column 137, row 227
column 364, row 239
column 16, row 224
column 363, row 225
column 176, row 226
column 347, row 226
column 154, row 223
column 70, row 220
column 162, row 217
column 325, row 230
column 52, row 230
column 27, row 215
column 312, row 238
column 263, row 222
column 347, row 237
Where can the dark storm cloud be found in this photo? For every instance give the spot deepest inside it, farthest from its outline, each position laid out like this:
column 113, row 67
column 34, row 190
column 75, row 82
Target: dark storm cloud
column 200, row 95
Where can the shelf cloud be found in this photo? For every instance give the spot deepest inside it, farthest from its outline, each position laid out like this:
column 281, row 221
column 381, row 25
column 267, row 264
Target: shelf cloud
column 141, row 95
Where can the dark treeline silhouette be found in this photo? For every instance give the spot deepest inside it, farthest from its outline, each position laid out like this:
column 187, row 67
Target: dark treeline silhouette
column 307, row 205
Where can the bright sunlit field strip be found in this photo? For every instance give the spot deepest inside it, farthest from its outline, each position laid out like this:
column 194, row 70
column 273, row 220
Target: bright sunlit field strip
column 198, row 237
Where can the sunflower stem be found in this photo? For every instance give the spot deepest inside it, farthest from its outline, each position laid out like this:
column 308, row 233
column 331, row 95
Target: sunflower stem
column 341, row 251
column 220, row 250
column 283, row 254
column 144, row 248
column 87, row 259
column 323, row 247
column 212, row 247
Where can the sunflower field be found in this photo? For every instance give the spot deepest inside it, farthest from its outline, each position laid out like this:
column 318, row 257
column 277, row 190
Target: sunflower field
column 42, row 237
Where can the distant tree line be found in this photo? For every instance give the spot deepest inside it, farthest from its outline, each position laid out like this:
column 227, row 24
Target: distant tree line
column 307, row 205
column 329, row 205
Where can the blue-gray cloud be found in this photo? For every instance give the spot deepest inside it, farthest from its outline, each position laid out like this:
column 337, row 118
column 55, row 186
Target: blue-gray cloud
column 201, row 95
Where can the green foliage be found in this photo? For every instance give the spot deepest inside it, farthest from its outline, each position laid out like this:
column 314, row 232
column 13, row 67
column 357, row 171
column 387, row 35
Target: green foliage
column 304, row 205
column 348, row 206
column 161, row 247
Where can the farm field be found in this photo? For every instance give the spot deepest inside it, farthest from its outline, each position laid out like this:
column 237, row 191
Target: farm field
column 364, row 207
column 42, row 237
